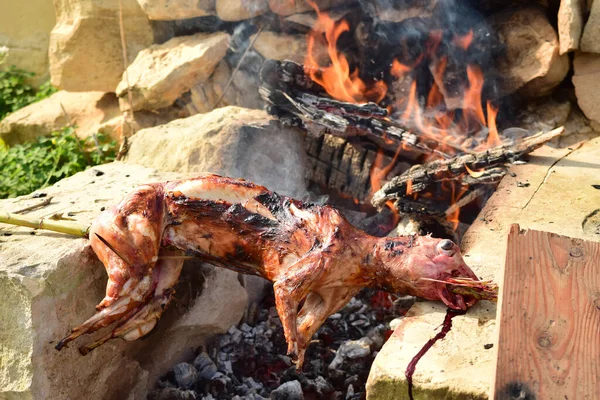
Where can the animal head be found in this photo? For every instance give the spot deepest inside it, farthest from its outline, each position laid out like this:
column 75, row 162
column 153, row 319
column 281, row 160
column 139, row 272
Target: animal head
column 420, row 265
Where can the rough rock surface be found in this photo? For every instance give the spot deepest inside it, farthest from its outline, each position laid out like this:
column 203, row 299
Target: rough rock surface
column 91, row 112
column 162, row 73
column 167, row 10
column 442, row 372
column 51, row 282
column 85, row 44
column 237, row 10
column 586, row 79
column 87, row 110
column 277, row 46
column 532, row 63
column 297, row 6
column 26, row 32
column 570, row 24
column 559, row 197
column 591, row 31
column 233, row 141
column 242, row 92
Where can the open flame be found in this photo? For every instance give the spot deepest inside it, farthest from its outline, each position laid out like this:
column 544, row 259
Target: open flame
column 336, row 78
column 458, row 122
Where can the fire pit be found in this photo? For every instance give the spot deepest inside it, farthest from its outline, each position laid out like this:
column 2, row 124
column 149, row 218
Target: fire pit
column 412, row 115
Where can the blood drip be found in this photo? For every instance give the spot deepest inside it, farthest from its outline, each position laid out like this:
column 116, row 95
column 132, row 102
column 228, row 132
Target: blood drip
column 446, row 326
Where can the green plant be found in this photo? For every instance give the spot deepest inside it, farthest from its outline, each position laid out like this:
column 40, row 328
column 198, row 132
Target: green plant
column 16, row 93
column 30, row 166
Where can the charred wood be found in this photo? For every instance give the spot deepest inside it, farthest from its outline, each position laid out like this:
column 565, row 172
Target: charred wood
column 297, row 99
column 489, row 167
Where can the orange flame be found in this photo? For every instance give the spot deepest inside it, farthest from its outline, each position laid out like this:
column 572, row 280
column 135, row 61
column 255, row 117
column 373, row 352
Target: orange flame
column 337, row 79
column 464, row 41
column 435, row 120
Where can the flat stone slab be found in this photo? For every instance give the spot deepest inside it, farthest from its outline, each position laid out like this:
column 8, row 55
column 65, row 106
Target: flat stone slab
column 552, row 192
column 51, row 282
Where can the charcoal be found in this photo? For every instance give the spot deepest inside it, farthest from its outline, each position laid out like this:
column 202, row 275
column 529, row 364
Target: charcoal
column 288, row 391
column 320, row 386
column 252, row 384
column 249, row 361
column 185, row 375
column 176, row 394
column 236, row 337
column 350, row 392
column 350, row 350
column 205, row 366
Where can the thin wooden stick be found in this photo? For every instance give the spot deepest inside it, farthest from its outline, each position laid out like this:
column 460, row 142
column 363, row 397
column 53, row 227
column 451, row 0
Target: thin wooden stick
column 43, row 203
column 70, row 228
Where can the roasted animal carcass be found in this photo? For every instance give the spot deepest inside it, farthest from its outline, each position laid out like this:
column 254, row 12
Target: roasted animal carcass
column 313, row 256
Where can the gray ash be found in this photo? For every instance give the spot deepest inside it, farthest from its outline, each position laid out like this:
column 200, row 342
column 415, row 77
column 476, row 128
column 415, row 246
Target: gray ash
column 249, row 362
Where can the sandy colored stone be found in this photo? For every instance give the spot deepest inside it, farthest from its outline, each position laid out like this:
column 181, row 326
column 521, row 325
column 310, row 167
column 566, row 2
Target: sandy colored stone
column 590, row 40
column 51, row 282
column 242, row 92
column 167, row 10
column 532, row 63
column 85, row 44
column 278, row 46
column 162, row 73
column 298, row 6
column 87, row 110
column 26, row 32
column 443, row 373
column 570, row 24
column 559, row 198
column 586, row 79
column 91, row 112
column 238, row 10
column 231, row 141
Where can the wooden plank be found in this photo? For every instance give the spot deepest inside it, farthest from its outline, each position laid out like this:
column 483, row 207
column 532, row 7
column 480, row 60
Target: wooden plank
column 549, row 318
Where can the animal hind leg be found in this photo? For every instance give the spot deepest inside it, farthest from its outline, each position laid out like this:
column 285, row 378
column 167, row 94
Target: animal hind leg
column 291, row 288
column 315, row 310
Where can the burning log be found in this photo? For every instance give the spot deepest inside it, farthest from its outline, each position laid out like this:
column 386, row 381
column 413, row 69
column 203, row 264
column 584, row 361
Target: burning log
column 484, row 167
column 315, row 258
column 294, row 96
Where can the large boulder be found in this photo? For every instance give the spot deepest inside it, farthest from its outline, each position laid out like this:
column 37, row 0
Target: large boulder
column 177, row 9
column 162, row 73
column 26, row 32
column 231, row 141
column 586, row 79
column 591, row 31
column 85, row 45
column 532, row 63
column 51, row 282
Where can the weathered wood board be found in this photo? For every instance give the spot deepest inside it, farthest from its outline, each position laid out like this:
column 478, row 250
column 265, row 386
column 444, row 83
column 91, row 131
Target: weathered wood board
column 549, row 318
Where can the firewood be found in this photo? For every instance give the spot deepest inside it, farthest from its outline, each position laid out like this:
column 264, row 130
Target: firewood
column 489, row 167
column 295, row 97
